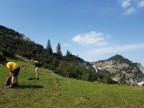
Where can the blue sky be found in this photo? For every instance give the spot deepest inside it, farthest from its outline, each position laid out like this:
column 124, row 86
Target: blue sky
column 91, row 29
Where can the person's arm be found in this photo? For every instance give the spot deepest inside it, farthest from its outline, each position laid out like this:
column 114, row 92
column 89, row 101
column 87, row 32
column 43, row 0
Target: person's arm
column 35, row 61
column 11, row 70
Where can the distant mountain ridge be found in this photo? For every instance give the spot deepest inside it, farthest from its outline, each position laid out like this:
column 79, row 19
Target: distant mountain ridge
column 121, row 70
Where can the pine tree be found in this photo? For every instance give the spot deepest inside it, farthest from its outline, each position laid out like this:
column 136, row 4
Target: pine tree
column 68, row 53
column 49, row 48
column 59, row 53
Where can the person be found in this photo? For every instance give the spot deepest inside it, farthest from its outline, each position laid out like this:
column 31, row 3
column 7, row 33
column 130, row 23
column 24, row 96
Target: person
column 37, row 65
column 12, row 78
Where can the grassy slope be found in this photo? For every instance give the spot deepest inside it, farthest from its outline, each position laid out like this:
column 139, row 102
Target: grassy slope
column 53, row 91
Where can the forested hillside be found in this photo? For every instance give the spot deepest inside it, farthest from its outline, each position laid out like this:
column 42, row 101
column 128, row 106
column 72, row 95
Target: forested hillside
column 12, row 43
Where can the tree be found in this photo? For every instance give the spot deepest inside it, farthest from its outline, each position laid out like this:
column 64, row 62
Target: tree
column 58, row 52
column 68, row 53
column 49, row 48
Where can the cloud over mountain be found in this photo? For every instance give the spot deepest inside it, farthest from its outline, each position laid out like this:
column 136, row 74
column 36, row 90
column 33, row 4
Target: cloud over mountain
column 91, row 38
column 116, row 49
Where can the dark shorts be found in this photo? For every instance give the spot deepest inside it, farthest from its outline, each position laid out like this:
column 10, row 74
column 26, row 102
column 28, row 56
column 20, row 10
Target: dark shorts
column 15, row 72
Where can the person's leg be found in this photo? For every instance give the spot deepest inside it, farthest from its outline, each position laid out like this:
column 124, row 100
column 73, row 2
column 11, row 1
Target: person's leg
column 14, row 80
column 8, row 80
column 15, row 76
column 37, row 73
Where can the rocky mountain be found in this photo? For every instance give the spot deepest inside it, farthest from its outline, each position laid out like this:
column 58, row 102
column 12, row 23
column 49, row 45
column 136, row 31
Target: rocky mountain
column 121, row 70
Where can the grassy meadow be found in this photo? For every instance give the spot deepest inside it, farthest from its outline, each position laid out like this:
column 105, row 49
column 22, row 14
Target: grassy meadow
column 54, row 91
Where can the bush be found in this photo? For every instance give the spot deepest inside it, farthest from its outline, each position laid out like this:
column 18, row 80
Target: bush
column 2, row 59
column 8, row 53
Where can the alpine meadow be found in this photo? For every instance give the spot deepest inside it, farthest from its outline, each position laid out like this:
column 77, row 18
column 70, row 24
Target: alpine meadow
column 72, row 54
column 65, row 81
column 54, row 91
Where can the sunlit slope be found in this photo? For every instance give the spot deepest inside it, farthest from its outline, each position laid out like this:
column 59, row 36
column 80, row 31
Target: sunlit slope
column 53, row 91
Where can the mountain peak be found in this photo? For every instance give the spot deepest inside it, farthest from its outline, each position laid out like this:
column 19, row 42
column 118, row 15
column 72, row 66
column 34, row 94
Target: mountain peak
column 120, row 58
column 117, row 56
column 121, row 70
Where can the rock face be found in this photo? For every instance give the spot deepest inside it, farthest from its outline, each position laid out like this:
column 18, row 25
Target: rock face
column 121, row 70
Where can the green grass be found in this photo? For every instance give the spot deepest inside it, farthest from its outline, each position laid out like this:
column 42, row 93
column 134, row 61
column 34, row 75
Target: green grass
column 53, row 91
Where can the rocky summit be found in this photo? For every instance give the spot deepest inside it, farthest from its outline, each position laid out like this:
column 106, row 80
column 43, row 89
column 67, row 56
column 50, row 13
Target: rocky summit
column 121, row 70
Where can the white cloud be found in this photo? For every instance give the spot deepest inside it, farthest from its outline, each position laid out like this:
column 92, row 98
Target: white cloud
column 131, row 6
column 125, row 3
column 66, row 45
column 90, row 38
column 141, row 4
column 117, row 49
column 130, row 11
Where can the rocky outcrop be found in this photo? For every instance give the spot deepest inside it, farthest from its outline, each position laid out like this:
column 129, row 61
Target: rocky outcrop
column 121, row 70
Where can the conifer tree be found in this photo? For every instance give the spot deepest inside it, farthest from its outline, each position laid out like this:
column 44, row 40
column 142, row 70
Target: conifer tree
column 59, row 53
column 68, row 53
column 49, row 48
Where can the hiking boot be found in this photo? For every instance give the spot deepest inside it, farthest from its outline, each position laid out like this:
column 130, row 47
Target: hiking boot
column 9, row 86
column 15, row 85
column 37, row 79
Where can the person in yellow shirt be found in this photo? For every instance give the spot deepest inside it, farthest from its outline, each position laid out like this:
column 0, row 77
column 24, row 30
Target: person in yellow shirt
column 14, row 71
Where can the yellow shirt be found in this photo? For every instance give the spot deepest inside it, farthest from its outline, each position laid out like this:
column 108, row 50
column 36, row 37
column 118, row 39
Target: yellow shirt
column 12, row 65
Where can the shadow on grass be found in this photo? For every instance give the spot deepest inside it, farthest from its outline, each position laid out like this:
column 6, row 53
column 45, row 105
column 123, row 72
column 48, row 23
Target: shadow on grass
column 29, row 86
